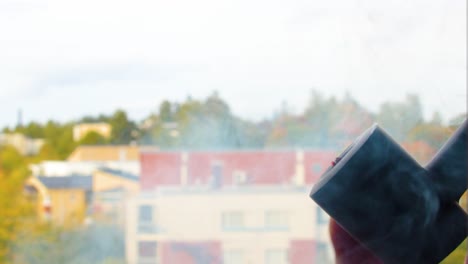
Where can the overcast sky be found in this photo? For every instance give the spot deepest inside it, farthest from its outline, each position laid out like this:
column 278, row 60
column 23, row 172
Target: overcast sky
column 63, row 59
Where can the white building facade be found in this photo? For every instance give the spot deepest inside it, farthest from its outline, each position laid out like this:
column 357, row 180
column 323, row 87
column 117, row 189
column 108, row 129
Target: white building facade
column 237, row 224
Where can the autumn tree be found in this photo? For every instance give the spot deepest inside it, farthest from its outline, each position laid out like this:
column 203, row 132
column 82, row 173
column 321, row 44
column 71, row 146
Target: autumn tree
column 398, row 118
column 16, row 211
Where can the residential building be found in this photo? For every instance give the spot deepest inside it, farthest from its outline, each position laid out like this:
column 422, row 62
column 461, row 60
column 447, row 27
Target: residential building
column 25, row 145
column 111, row 190
column 52, row 168
column 105, row 179
column 80, row 130
column 64, row 200
column 105, row 153
column 204, row 225
column 112, row 174
column 228, row 207
column 78, row 199
column 225, row 168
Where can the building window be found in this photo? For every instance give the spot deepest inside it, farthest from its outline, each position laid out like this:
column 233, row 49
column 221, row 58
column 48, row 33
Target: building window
column 233, row 257
column 233, row 220
column 316, row 168
column 216, row 174
column 146, row 221
column 147, row 252
column 322, row 217
column 145, row 213
column 276, row 256
column 276, row 219
column 239, row 177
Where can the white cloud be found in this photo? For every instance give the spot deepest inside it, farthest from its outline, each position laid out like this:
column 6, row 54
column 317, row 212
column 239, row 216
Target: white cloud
column 63, row 58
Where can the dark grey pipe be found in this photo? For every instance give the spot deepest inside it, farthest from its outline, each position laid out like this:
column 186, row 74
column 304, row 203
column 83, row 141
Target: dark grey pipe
column 448, row 168
column 401, row 211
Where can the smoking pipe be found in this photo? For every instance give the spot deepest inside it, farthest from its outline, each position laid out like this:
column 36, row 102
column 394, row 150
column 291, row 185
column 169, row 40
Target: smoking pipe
column 401, row 211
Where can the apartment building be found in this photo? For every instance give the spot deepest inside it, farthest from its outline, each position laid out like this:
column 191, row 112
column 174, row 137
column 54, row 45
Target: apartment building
column 261, row 224
column 119, row 153
column 80, row 130
column 226, row 168
column 25, row 145
column 228, row 207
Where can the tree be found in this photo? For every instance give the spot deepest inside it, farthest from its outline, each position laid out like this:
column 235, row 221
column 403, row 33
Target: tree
column 58, row 138
column 457, row 120
column 325, row 123
column 436, row 119
column 47, row 152
column 92, row 138
column 122, row 128
column 433, row 134
column 15, row 210
column 165, row 112
column 398, row 118
column 196, row 124
column 33, row 130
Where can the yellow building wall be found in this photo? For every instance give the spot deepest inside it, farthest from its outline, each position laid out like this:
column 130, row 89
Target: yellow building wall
column 80, row 130
column 105, row 153
column 68, row 206
column 103, row 181
column 42, row 195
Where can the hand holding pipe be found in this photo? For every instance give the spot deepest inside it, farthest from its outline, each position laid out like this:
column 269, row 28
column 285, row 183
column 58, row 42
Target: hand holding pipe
column 401, row 211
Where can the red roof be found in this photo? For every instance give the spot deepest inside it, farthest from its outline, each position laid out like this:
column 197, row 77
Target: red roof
column 256, row 167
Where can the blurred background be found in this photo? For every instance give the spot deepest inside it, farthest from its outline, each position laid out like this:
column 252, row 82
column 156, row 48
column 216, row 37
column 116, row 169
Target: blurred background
column 192, row 131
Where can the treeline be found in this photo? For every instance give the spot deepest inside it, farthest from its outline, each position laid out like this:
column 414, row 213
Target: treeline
column 58, row 136
column 326, row 122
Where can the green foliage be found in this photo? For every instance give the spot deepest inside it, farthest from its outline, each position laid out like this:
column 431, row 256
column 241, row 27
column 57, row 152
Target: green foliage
column 32, row 130
column 10, row 159
column 457, row 120
column 91, row 119
column 196, row 125
column 325, row 123
column 47, row 152
column 59, row 143
column 92, row 138
column 210, row 124
column 433, row 134
column 122, row 128
column 398, row 118
column 58, row 138
column 15, row 209
column 165, row 112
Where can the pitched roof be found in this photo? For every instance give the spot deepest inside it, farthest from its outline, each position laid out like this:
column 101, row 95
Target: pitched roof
column 68, row 182
column 119, row 173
